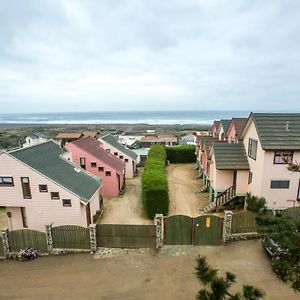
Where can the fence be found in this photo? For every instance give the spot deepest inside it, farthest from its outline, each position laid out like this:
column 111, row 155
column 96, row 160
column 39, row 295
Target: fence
column 293, row 212
column 243, row 222
column 2, row 254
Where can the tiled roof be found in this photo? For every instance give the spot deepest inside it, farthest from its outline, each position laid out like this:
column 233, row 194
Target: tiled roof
column 225, row 124
column 93, row 147
column 216, row 124
column 69, row 135
column 278, row 131
column 203, row 139
column 90, row 133
column 239, row 124
column 230, row 156
column 113, row 142
column 46, row 159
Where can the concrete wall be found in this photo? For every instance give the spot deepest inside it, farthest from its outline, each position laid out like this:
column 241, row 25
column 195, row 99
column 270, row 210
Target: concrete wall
column 41, row 209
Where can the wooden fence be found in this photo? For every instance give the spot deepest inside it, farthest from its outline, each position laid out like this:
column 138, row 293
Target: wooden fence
column 126, row 236
column 71, row 237
column 25, row 238
column 243, row 222
column 1, row 248
column 293, row 212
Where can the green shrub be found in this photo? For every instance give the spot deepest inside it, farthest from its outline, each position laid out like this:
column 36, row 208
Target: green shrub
column 155, row 192
column 181, row 154
column 255, row 204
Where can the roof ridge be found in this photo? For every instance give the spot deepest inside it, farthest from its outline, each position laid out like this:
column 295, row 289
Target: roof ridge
column 30, row 147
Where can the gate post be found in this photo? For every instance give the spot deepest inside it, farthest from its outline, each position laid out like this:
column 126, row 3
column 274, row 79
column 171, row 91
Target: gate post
column 5, row 241
column 93, row 237
column 227, row 225
column 159, row 223
column 49, row 237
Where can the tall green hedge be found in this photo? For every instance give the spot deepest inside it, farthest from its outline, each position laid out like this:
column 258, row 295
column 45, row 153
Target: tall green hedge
column 155, row 191
column 181, row 154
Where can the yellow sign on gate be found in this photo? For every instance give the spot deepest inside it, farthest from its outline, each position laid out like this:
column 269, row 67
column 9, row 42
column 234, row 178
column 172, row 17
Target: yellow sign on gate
column 207, row 222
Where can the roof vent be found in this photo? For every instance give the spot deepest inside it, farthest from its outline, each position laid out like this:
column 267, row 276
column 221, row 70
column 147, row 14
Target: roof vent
column 287, row 126
column 77, row 169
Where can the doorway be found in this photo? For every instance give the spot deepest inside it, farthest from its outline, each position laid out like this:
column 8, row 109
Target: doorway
column 234, row 177
column 88, row 214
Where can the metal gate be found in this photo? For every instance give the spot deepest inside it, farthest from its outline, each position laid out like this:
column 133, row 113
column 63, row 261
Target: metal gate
column 208, row 230
column 178, row 230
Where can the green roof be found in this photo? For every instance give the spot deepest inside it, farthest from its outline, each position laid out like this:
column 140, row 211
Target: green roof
column 45, row 158
column 230, row 156
column 225, row 124
column 113, row 142
column 206, row 138
column 278, row 131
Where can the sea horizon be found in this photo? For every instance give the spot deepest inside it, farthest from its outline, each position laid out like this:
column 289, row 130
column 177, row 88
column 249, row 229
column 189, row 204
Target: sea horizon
column 204, row 117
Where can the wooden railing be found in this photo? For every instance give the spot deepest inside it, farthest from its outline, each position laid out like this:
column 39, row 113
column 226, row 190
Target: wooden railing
column 225, row 196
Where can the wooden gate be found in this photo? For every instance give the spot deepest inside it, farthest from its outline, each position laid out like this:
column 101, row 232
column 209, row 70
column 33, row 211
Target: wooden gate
column 208, row 230
column 71, row 237
column 126, row 236
column 1, row 248
column 178, row 230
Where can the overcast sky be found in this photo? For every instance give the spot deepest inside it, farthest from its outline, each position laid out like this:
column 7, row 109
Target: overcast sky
column 155, row 55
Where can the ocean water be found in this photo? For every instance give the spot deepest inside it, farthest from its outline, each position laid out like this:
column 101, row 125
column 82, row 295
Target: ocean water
column 122, row 117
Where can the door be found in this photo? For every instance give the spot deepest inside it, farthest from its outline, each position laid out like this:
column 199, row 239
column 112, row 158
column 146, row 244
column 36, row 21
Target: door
column 24, row 217
column 88, row 214
column 208, row 230
column 234, row 177
column 119, row 182
column 82, row 163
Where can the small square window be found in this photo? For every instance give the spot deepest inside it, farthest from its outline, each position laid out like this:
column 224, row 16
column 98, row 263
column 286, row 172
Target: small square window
column 93, row 164
column 43, row 188
column 121, row 156
column 67, row 202
column 126, row 159
column 108, row 150
column 100, row 169
column 55, row 195
column 6, row 181
column 107, row 173
column 116, row 153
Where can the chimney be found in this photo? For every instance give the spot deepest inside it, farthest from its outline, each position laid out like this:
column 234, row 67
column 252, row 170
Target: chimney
column 287, row 127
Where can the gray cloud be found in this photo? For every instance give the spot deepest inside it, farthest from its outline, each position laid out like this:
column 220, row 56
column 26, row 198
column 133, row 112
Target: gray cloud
column 185, row 54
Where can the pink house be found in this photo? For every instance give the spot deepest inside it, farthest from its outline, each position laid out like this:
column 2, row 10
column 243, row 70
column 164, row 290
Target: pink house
column 235, row 129
column 38, row 186
column 88, row 153
column 215, row 128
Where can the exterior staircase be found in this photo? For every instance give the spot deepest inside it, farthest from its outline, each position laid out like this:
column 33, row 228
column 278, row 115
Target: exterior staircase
column 204, row 189
column 221, row 199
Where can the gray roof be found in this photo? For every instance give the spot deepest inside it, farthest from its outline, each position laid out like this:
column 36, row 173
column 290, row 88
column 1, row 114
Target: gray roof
column 113, row 142
column 230, row 156
column 45, row 158
column 40, row 135
column 205, row 138
column 278, row 131
column 225, row 124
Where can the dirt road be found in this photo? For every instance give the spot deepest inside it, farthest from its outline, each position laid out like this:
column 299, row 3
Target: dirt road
column 137, row 276
column 126, row 209
column 182, row 190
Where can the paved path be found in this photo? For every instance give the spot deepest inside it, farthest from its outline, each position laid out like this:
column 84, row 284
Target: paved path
column 137, row 276
column 183, row 185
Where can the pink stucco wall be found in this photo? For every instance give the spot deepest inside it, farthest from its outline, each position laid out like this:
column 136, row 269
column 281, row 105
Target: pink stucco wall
column 231, row 137
column 264, row 170
column 130, row 165
column 40, row 209
column 110, row 184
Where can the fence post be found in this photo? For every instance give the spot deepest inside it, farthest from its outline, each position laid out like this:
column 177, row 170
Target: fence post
column 5, row 241
column 49, row 237
column 159, row 223
column 93, row 237
column 227, row 225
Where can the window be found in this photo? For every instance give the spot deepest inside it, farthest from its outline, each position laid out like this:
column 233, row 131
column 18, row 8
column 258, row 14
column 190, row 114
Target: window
column 24, row 217
column 279, row 154
column 116, row 153
column 54, row 195
column 298, row 195
column 250, row 177
column 67, row 202
column 82, row 162
column 108, row 150
column 252, row 148
column 280, row 184
column 126, row 159
column 43, row 188
column 93, row 164
column 107, row 173
column 6, row 181
column 100, row 169
column 26, row 187
column 121, row 156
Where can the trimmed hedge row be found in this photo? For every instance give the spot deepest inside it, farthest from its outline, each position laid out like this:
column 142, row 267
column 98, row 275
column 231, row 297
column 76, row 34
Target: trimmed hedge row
column 155, row 191
column 181, row 154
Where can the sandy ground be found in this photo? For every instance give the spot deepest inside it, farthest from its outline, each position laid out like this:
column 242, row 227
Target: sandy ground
column 183, row 185
column 126, row 209
column 137, row 276
column 3, row 218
